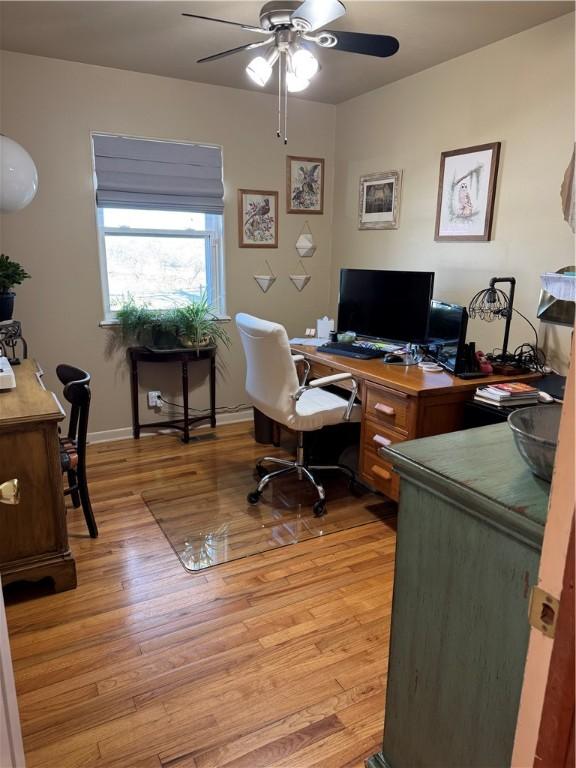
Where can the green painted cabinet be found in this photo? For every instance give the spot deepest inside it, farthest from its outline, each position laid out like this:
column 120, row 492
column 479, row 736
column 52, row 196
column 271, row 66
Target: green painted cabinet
column 470, row 526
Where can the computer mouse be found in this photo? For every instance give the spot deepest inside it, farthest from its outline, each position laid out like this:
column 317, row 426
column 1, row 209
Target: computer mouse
column 393, row 358
column 544, row 397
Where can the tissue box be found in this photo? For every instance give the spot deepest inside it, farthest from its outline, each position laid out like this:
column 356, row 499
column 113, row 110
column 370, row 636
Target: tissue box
column 323, row 328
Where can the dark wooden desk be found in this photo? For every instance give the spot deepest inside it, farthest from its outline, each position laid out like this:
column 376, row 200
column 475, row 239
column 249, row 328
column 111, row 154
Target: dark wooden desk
column 399, row 403
column 33, row 534
column 183, row 356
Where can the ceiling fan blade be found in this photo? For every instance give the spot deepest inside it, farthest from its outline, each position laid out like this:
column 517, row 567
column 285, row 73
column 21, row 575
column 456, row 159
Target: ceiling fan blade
column 369, row 45
column 318, row 13
column 232, row 51
column 247, row 27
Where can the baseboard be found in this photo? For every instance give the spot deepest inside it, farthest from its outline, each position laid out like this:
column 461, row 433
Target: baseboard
column 125, row 433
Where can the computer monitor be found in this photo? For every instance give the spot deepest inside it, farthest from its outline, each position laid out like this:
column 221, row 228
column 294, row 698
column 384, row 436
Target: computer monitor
column 447, row 334
column 385, row 304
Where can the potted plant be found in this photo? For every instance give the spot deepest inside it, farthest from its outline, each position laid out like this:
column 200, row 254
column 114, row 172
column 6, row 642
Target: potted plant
column 11, row 274
column 148, row 327
column 198, row 325
column 193, row 325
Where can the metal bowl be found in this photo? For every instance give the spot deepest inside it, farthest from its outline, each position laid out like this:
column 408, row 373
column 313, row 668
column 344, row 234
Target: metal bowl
column 535, row 432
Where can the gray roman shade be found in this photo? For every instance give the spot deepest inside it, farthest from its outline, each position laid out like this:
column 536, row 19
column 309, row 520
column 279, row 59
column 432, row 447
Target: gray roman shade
column 142, row 173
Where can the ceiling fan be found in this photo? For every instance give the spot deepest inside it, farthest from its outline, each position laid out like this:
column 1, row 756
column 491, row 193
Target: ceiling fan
column 292, row 29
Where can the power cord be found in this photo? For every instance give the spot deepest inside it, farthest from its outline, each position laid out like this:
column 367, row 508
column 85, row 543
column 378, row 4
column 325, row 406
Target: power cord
column 527, row 355
column 221, row 409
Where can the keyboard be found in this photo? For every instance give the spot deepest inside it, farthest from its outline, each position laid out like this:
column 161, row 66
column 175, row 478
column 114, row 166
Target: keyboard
column 357, row 351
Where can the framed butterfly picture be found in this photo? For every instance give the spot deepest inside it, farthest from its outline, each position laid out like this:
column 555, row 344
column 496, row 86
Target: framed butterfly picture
column 304, row 184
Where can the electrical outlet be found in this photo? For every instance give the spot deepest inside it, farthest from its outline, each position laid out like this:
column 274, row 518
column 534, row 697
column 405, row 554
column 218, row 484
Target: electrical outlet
column 154, row 399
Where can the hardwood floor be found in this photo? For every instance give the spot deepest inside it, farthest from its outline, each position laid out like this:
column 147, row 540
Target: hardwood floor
column 277, row 660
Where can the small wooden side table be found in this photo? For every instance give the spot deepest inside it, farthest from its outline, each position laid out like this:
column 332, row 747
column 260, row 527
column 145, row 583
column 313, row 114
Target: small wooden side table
column 183, row 356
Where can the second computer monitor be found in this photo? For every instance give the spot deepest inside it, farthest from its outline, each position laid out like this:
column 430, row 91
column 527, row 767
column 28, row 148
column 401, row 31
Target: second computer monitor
column 447, row 335
column 385, row 304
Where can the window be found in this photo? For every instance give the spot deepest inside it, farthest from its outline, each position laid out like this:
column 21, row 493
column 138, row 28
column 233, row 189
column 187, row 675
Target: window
column 159, row 208
column 161, row 259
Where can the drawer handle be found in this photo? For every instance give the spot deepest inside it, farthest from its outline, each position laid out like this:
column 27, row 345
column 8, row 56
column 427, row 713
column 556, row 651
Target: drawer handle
column 381, row 440
column 10, row 492
column 382, row 473
column 387, row 409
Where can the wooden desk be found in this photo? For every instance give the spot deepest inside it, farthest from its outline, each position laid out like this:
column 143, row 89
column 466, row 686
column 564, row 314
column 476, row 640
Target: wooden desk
column 33, row 534
column 399, row 403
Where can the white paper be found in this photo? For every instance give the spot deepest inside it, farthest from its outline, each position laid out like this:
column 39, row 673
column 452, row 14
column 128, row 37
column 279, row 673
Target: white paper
column 308, row 342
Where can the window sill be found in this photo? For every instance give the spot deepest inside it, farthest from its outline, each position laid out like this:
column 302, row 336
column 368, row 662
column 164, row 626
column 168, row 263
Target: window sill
column 113, row 323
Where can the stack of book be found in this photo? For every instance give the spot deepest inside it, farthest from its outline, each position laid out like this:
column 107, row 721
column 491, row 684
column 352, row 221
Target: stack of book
column 510, row 394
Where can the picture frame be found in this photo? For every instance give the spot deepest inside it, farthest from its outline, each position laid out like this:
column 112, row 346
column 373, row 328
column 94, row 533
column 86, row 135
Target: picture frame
column 257, row 218
column 304, row 185
column 466, row 193
column 379, row 200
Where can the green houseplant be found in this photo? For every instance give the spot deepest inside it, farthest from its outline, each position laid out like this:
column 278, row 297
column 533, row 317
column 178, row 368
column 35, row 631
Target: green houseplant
column 198, row 325
column 11, row 274
column 148, row 327
column 193, row 325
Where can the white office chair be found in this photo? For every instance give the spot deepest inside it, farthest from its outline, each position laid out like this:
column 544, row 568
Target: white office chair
column 274, row 389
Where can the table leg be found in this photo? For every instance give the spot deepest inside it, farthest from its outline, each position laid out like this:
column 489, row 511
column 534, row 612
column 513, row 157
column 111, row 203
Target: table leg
column 186, row 437
column 213, row 391
column 134, row 393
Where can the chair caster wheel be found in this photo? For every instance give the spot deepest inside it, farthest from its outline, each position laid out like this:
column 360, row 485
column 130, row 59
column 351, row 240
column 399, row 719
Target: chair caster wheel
column 319, row 508
column 253, row 497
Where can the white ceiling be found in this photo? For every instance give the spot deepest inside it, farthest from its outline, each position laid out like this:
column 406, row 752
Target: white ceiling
column 153, row 37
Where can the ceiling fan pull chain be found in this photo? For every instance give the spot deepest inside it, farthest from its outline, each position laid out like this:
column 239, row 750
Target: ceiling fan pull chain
column 285, row 99
column 278, row 132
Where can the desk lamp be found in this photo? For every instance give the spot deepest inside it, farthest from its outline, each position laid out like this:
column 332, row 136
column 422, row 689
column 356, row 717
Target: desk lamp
column 492, row 303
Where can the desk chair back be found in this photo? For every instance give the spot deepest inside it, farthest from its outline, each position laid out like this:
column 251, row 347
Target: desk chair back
column 77, row 393
column 73, row 448
column 271, row 377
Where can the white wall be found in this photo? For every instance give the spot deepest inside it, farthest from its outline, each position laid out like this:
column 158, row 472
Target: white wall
column 519, row 91
column 51, row 107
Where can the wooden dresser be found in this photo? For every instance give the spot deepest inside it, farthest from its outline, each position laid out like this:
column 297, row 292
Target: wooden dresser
column 399, row 403
column 33, row 534
column 470, row 527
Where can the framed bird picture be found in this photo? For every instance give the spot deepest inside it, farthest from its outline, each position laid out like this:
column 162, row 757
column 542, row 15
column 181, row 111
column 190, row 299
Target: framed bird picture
column 304, row 184
column 257, row 219
column 466, row 192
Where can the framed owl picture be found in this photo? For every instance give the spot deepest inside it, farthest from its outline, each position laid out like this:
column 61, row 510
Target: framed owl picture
column 257, row 219
column 304, row 184
column 466, row 193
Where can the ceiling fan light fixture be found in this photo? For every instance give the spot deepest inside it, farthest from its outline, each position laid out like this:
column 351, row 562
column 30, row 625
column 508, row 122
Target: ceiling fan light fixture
column 304, row 64
column 295, row 83
column 259, row 71
column 260, row 68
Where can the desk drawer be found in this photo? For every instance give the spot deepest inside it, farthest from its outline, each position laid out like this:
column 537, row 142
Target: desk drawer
column 375, row 470
column 388, row 408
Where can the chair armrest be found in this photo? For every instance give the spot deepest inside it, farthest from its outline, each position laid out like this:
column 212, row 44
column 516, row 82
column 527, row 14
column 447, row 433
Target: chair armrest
column 325, row 381
column 302, row 359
